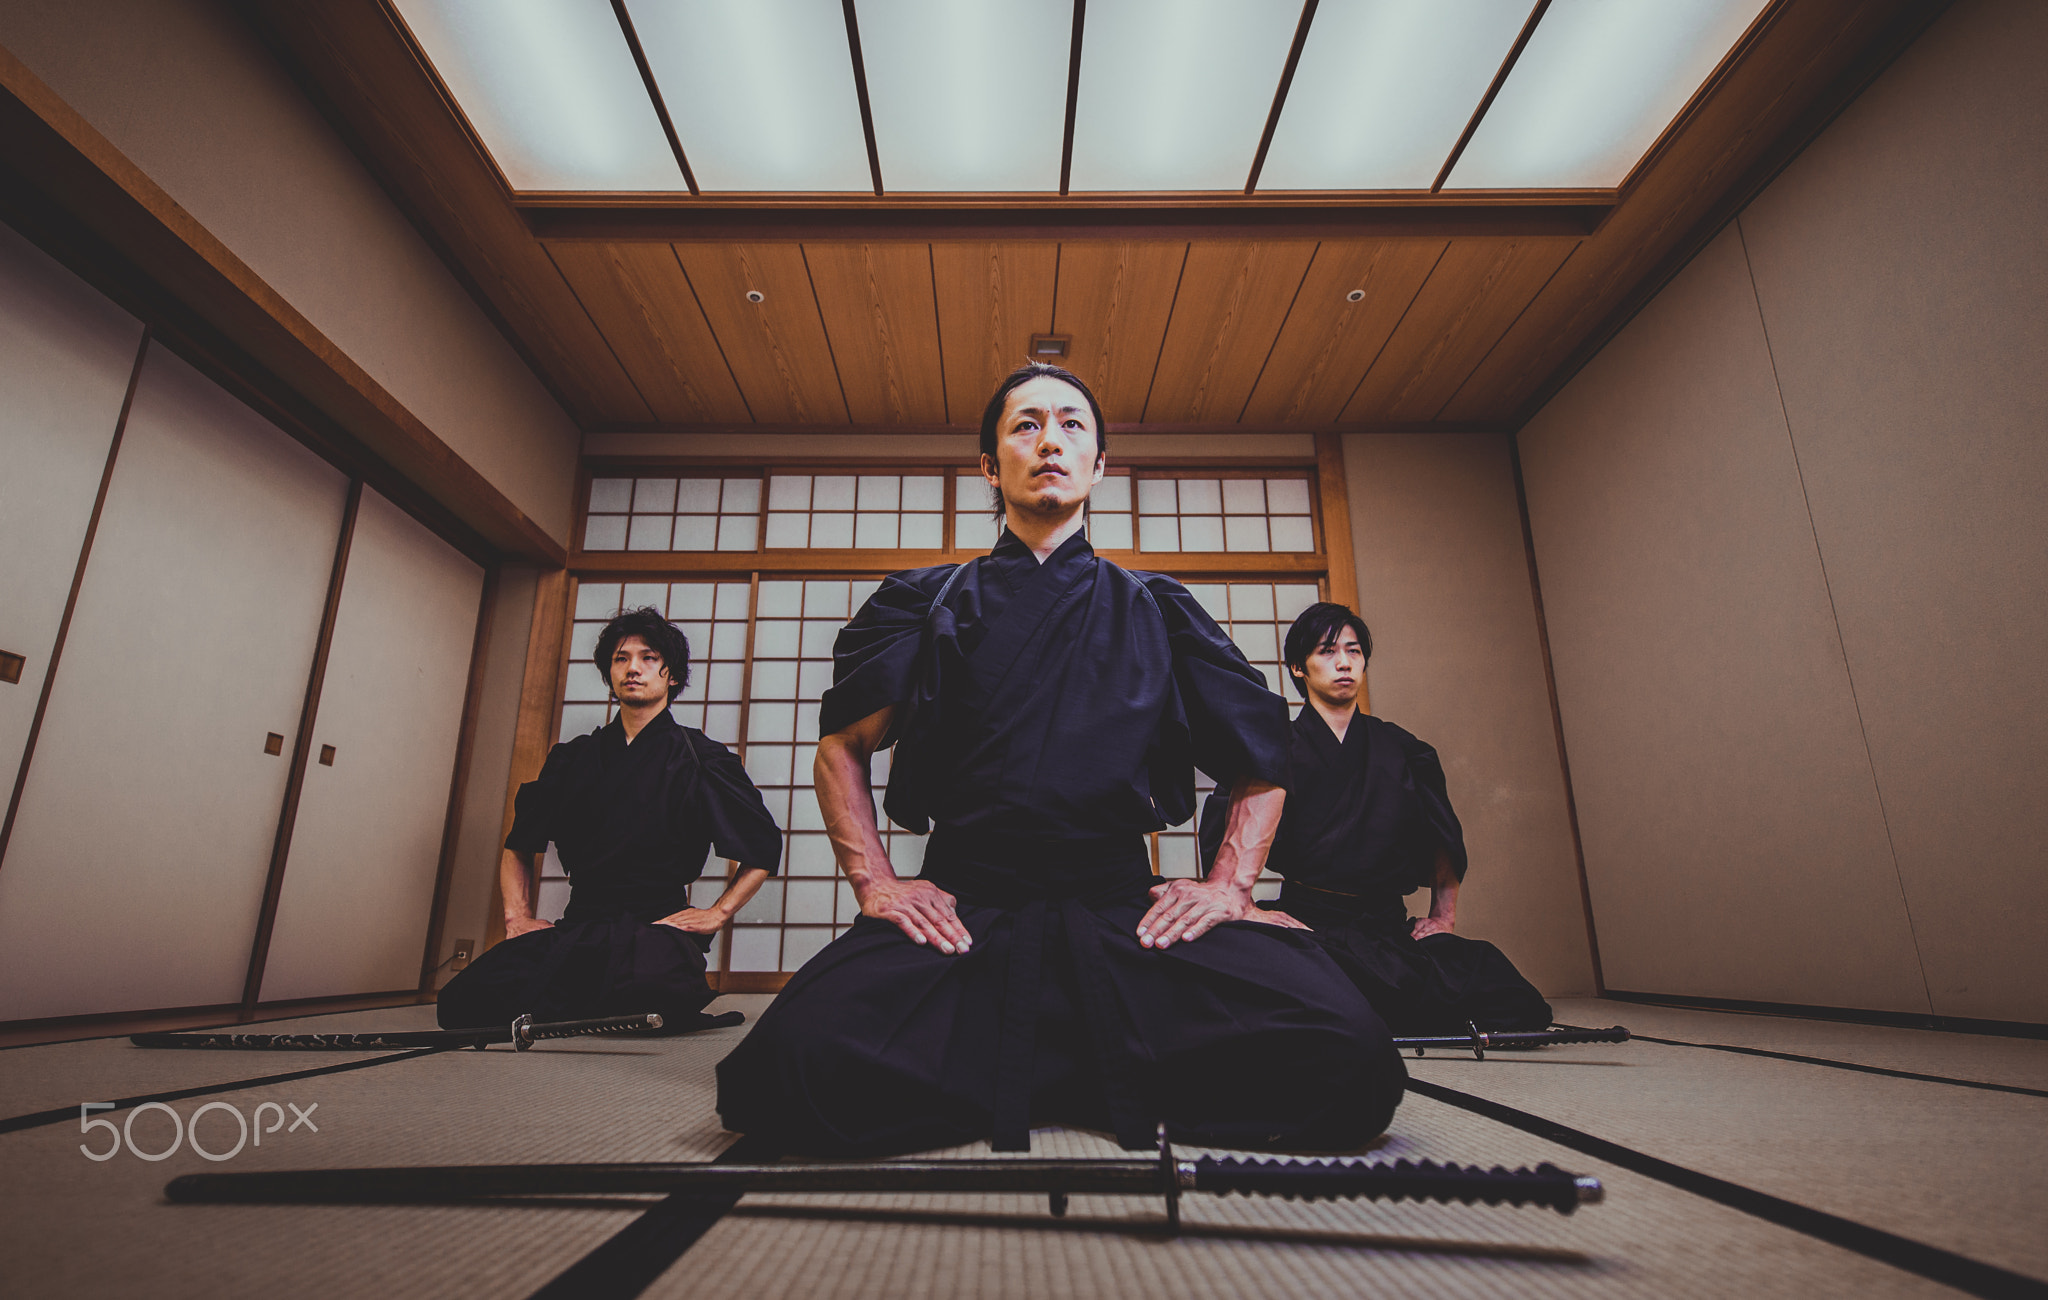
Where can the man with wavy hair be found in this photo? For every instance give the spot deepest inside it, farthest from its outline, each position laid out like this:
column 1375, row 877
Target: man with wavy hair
column 632, row 809
column 1047, row 710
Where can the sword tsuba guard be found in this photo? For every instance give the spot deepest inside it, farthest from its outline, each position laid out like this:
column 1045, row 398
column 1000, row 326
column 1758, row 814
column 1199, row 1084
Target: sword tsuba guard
column 522, row 1033
column 1175, row 1177
column 1478, row 1040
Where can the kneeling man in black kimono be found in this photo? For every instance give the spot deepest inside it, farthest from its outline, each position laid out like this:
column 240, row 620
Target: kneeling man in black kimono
column 632, row 809
column 1369, row 819
column 1047, row 710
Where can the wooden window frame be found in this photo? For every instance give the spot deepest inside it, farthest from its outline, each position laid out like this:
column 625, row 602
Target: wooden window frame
column 1331, row 566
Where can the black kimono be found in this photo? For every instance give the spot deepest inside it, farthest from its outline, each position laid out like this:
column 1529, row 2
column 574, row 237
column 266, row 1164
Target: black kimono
column 1046, row 718
column 632, row 824
column 1365, row 820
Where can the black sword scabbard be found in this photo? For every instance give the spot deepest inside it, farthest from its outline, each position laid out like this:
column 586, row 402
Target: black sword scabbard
column 521, row 1033
column 1344, row 1179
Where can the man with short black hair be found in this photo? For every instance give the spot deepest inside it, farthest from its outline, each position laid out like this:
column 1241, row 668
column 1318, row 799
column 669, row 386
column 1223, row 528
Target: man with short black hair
column 1368, row 819
column 1047, row 710
column 633, row 809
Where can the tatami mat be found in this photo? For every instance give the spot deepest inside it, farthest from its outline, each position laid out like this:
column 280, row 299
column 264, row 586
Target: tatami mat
column 1953, row 1167
column 1959, row 1168
column 2016, row 1062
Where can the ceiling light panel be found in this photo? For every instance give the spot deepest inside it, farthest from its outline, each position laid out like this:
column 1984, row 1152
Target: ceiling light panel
column 1596, row 85
column 967, row 94
column 551, row 87
column 1383, row 89
column 1174, row 93
column 761, row 92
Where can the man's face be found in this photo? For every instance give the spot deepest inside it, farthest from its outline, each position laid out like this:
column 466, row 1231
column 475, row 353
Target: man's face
column 638, row 674
column 1334, row 669
column 1046, row 458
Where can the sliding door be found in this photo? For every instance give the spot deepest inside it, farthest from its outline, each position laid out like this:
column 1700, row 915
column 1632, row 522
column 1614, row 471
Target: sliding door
column 366, row 847
column 65, row 357
column 137, row 865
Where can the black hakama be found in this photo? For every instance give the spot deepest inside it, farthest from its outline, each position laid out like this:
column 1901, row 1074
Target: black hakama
column 632, row 824
column 1047, row 717
column 1365, row 821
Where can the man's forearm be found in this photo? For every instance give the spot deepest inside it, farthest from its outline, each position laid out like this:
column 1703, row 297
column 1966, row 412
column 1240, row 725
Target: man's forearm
column 845, row 785
column 1248, row 835
column 1443, row 891
column 516, row 872
column 742, row 889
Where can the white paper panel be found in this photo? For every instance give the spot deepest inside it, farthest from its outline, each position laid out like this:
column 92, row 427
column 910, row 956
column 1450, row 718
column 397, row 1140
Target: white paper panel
column 942, row 121
column 761, row 93
column 1383, row 89
column 551, row 87
column 1597, row 84
column 1174, row 93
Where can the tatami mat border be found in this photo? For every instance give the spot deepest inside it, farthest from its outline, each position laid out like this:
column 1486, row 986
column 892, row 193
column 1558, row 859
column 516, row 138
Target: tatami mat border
column 1959, row 1271
column 65, row 1114
column 627, row 1262
column 1846, row 1015
column 1848, row 1065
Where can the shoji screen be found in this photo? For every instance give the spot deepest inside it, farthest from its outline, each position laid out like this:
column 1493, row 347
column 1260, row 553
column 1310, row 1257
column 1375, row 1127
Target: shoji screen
column 144, row 836
column 762, row 604
column 359, row 881
column 65, row 357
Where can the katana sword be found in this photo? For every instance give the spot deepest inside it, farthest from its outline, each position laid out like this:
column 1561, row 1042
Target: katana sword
column 1168, row 1176
column 521, row 1033
column 1478, row 1040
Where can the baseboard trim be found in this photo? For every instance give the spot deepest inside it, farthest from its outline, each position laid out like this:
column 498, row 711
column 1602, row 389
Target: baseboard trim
column 1851, row 1015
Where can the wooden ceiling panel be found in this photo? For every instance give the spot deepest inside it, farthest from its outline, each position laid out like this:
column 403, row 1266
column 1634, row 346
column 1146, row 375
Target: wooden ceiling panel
column 776, row 347
column 1233, row 299
column 1481, row 335
column 991, row 299
column 1115, row 301
column 882, row 319
column 1476, row 288
column 639, row 300
column 1329, row 342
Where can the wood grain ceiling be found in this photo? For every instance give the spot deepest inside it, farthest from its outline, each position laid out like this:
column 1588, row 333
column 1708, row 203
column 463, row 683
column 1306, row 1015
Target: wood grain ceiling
column 901, row 314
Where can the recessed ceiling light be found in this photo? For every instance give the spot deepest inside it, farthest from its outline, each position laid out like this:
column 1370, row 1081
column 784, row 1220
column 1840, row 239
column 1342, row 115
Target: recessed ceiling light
column 755, row 295
column 1050, row 345
column 1356, row 295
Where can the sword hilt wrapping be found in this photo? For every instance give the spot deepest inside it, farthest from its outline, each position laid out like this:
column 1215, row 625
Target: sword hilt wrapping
column 1417, row 1180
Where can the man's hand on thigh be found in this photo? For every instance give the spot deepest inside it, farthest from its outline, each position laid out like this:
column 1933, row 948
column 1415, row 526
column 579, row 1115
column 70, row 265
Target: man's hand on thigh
column 921, row 910
column 1189, row 909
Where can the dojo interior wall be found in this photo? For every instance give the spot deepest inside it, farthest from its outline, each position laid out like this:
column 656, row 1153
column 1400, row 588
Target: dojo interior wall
column 136, row 862
column 1793, row 551
column 186, row 91
column 1443, row 582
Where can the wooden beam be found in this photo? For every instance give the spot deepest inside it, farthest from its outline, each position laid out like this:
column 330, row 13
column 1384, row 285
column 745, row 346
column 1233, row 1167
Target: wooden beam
column 668, row 219
column 539, row 694
column 632, row 564
column 857, row 435
column 458, row 781
column 1335, row 501
column 55, row 153
column 1308, row 15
